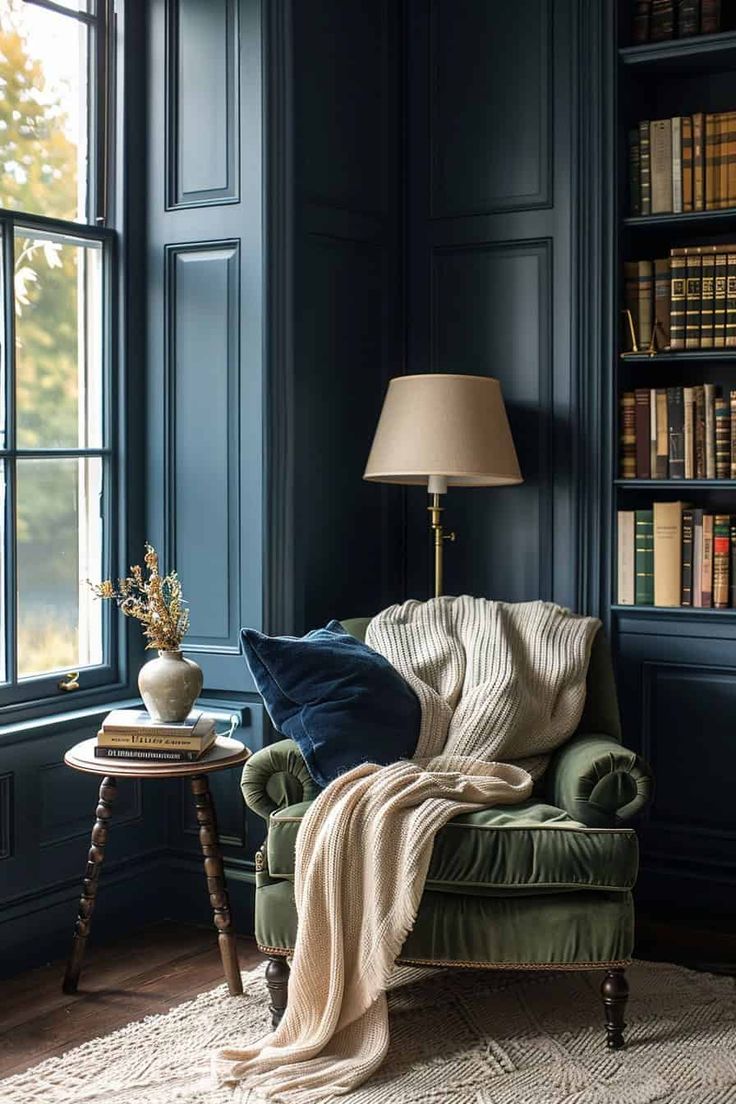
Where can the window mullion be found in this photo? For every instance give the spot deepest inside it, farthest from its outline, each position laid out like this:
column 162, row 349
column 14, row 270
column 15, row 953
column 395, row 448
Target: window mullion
column 10, row 590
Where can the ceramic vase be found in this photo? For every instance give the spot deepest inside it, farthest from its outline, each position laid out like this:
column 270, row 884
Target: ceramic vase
column 169, row 686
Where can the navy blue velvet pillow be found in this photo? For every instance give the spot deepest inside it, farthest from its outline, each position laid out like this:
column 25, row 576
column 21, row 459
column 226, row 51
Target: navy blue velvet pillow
column 340, row 701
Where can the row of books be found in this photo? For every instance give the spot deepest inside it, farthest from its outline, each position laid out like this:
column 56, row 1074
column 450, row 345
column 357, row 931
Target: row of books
column 131, row 734
column 675, row 555
column 659, row 20
column 677, row 433
column 687, row 163
column 684, row 301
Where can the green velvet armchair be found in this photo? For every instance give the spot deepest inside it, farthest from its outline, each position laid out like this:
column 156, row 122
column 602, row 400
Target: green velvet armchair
column 543, row 885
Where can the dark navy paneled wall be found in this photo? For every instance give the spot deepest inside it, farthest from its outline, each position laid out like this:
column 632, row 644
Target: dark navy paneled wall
column 491, row 238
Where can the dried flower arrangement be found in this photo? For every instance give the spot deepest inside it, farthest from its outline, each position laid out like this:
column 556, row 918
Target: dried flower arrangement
column 153, row 599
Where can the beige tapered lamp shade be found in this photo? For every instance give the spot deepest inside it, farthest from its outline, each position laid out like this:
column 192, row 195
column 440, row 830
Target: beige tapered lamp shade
column 446, row 426
column 439, row 431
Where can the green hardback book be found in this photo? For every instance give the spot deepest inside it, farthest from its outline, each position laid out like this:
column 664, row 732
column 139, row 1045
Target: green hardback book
column 644, row 558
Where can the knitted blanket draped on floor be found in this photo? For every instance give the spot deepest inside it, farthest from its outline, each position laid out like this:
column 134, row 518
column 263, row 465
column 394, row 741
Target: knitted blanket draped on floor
column 494, row 681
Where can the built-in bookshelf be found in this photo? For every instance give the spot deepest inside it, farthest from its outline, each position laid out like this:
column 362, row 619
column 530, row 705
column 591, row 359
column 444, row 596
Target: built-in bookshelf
column 685, row 78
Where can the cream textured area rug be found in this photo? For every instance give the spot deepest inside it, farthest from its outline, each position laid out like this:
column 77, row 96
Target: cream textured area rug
column 457, row 1037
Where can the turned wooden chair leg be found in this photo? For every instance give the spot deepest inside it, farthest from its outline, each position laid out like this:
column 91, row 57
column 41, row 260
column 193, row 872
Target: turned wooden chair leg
column 277, row 980
column 215, row 874
column 108, row 789
column 615, row 993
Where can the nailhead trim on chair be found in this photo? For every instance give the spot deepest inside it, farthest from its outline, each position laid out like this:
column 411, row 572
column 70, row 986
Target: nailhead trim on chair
column 620, row 964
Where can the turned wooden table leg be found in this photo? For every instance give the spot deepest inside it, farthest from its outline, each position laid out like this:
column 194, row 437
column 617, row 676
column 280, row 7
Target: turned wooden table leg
column 205, row 811
column 96, row 854
column 615, row 993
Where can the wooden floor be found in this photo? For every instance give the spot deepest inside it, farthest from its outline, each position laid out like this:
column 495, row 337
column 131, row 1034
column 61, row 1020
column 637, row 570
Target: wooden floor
column 145, row 973
column 165, row 964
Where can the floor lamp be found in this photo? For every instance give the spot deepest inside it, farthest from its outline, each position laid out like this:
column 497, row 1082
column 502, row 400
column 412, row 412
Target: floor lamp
column 440, row 431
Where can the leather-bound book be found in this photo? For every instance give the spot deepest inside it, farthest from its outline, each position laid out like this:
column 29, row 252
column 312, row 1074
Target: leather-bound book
column 697, row 558
column 662, row 290
column 710, row 16
column 731, row 299
column 660, row 137
column 625, row 563
column 653, row 432
column 667, row 553
column 722, row 155
column 640, row 29
column 634, row 172
column 645, row 310
column 661, row 470
column 732, row 406
column 643, row 558
column 719, row 301
column 698, row 161
column 711, row 166
column 676, row 165
column 721, row 560
column 723, row 438
column 688, row 403
column 687, row 163
column 686, row 581
column 688, row 18
column 710, row 430
column 676, row 433
column 706, row 571
column 707, row 298
column 662, row 20
column 678, row 297
column 692, row 301
column 627, row 436
column 645, row 168
column 699, row 431
column 641, row 426
column 732, row 586
column 730, row 194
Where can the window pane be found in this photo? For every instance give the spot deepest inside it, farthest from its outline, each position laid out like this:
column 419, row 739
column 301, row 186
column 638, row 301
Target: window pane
column 43, row 111
column 58, row 330
column 59, row 547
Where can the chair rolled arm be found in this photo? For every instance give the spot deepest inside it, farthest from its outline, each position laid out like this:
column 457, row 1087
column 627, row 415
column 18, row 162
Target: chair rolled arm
column 276, row 776
column 598, row 782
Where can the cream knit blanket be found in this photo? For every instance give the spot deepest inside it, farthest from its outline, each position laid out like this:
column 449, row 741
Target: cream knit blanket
column 492, row 680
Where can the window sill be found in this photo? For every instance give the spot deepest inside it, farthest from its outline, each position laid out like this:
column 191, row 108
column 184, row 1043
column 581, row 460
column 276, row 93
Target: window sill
column 29, row 728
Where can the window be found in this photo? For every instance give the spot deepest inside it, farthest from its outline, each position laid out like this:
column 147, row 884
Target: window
column 56, row 429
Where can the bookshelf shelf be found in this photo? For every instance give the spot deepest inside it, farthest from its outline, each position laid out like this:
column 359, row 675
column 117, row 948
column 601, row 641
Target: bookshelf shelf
column 699, row 54
column 673, row 611
column 691, row 220
column 680, row 357
column 676, row 484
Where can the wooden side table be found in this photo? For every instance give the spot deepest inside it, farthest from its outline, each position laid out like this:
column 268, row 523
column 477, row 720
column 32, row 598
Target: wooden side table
column 225, row 753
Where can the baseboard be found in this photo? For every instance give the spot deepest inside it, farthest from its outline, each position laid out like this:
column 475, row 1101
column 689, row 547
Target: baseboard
column 38, row 927
column 188, row 898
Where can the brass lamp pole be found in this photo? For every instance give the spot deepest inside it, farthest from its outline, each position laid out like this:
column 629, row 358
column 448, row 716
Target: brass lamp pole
column 440, row 536
column 441, row 430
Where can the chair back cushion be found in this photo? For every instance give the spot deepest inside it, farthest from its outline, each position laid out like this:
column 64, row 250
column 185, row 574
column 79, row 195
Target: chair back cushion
column 335, row 697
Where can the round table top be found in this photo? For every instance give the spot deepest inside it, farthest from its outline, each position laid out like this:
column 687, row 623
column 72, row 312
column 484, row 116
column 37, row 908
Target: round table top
column 224, row 753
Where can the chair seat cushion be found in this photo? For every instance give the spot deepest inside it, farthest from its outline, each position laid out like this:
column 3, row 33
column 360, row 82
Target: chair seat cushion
column 529, row 848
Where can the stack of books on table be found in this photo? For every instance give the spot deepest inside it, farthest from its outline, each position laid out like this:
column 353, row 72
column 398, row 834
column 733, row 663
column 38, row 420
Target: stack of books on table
column 132, row 734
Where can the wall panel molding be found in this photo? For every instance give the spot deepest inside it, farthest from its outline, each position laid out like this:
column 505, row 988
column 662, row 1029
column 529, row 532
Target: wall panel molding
column 491, row 314
column 202, row 434
column 487, row 159
column 6, row 815
column 202, row 103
